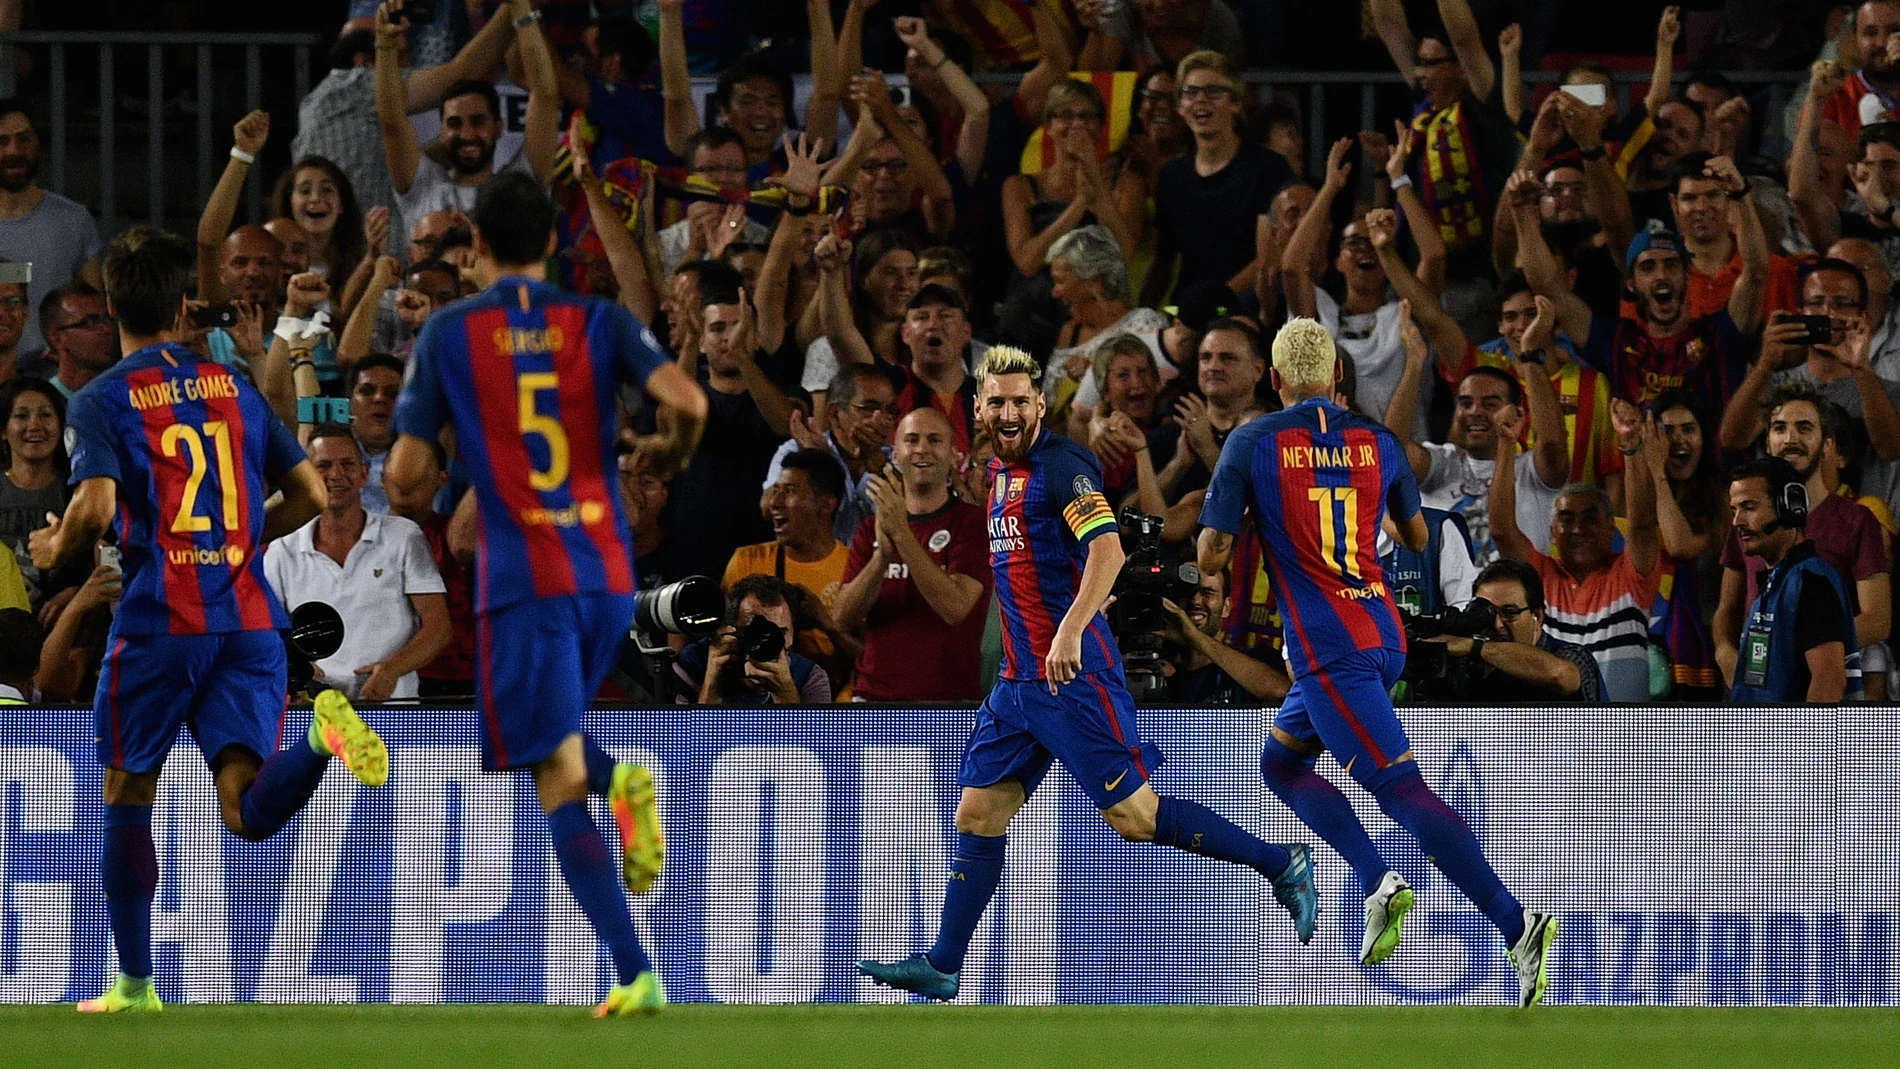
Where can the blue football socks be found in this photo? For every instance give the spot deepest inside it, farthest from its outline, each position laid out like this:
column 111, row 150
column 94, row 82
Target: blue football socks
column 1196, row 829
column 1323, row 808
column 600, row 766
column 592, row 878
column 1448, row 841
column 128, row 872
column 975, row 871
column 283, row 786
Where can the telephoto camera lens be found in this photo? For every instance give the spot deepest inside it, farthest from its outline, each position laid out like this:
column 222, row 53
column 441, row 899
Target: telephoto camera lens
column 691, row 607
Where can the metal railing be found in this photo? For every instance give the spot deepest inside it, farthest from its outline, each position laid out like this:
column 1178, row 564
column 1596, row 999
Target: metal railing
column 223, row 65
column 212, row 56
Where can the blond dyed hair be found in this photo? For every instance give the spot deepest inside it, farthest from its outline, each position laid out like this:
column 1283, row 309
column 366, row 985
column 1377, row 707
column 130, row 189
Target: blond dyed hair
column 1304, row 356
column 1008, row 360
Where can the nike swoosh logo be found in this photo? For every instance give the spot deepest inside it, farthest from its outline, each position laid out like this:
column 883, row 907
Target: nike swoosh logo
column 1116, row 782
column 1348, row 769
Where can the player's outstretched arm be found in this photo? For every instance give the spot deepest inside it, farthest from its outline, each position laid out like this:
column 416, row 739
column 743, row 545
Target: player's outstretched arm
column 684, row 406
column 1214, row 550
column 303, row 499
column 87, row 516
column 411, row 460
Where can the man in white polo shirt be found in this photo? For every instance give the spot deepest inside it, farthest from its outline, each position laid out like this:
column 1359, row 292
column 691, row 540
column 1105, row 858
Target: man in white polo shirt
column 376, row 571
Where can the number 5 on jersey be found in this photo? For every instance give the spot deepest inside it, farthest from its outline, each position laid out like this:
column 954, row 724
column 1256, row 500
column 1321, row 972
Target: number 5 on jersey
column 527, row 387
column 186, row 520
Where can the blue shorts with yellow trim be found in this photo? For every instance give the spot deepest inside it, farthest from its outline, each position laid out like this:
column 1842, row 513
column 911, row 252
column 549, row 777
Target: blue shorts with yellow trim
column 227, row 689
column 1088, row 725
column 1347, row 708
column 538, row 663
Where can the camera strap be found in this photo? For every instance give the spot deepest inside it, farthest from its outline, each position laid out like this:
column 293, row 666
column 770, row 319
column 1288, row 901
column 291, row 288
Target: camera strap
column 778, row 569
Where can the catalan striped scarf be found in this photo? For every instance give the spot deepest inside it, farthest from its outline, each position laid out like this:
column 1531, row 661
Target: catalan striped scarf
column 1452, row 187
column 638, row 188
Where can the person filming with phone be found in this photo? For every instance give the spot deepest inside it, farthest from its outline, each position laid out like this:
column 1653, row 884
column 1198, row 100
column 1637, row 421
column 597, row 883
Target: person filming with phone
column 1826, row 346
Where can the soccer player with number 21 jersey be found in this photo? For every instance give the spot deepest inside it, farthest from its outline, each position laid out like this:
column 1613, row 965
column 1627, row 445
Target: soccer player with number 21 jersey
column 176, row 455
column 1319, row 482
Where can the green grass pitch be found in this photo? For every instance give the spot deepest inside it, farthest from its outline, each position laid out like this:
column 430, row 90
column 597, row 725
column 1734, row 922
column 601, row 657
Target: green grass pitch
column 898, row 1037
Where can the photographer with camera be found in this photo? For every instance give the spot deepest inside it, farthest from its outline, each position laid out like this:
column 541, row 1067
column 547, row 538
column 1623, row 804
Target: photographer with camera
column 750, row 660
column 1517, row 661
column 1210, row 672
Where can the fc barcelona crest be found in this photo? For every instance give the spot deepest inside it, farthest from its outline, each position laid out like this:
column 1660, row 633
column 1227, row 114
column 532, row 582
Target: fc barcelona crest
column 1016, row 484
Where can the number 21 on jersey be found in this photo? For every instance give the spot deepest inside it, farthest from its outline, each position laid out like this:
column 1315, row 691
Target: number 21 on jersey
column 528, row 387
column 185, row 438
column 1338, row 508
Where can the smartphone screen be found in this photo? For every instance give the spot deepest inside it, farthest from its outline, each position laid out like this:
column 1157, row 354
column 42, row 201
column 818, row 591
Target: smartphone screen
column 217, row 315
column 1590, row 93
column 1820, row 330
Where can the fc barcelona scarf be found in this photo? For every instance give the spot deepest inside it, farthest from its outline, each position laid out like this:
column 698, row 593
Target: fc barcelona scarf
column 1452, row 188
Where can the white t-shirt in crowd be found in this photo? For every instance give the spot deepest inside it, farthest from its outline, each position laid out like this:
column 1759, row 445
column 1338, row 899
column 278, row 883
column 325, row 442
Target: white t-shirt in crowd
column 1378, row 357
column 435, row 188
column 1461, row 483
column 1144, row 323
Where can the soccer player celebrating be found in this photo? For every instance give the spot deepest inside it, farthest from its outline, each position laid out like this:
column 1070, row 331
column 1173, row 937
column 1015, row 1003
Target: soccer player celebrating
column 526, row 374
column 1055, row 551
column 1320, row 481
column 174, row 453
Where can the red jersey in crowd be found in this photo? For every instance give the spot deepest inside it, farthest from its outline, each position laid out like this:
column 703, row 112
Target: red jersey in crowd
column 910, row 654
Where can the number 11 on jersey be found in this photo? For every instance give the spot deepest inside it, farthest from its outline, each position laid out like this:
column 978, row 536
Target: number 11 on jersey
column 1338, row 507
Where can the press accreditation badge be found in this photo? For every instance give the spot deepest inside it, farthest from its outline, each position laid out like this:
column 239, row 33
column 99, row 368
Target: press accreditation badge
column 1755, row 657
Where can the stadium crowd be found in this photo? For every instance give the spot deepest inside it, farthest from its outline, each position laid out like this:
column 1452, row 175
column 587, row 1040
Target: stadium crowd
column 1645, row 375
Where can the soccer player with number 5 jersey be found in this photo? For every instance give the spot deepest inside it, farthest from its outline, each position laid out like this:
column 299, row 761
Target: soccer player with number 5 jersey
column 1055, row 552
column 528, row 375
column 1320, row 481
column 174, row 453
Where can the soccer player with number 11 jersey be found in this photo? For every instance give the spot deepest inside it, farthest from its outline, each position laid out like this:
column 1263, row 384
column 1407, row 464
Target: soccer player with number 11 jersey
column 1320, row 481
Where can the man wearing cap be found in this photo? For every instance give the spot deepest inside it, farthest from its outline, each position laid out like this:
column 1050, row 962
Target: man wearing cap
column 937, row 332
column 1663, row 347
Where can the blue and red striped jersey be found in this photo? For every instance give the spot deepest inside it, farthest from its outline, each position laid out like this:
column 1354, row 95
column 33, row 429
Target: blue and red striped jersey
column 1044, row 511
column 1319, row 480
column 191, row 447
column 528, row 374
